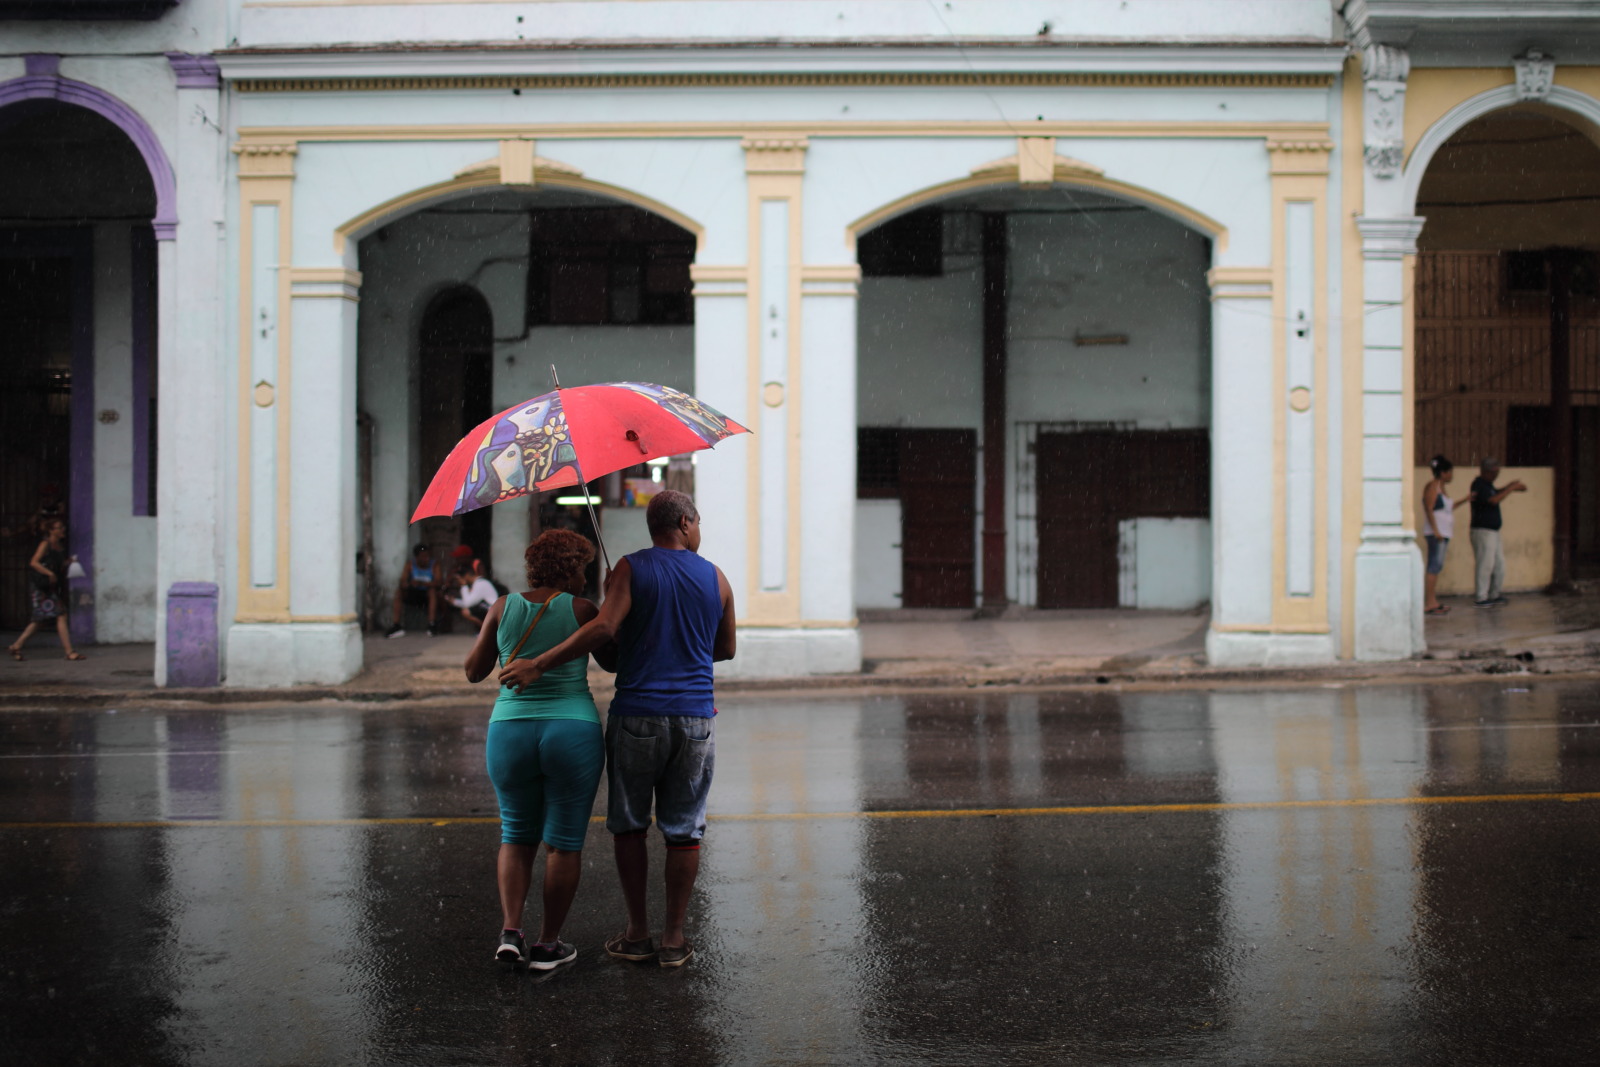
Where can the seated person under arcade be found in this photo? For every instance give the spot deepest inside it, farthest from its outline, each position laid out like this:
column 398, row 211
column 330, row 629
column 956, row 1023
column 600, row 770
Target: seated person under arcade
column 477, row 594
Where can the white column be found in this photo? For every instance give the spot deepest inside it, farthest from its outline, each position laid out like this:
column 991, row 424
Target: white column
column 192, row 510
column 828, row 468
column 1388, row 565
column 324, row 512
column 721, row 379
column 1242, row 483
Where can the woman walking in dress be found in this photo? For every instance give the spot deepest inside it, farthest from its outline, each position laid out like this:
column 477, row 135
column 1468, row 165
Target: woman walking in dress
column 1440, row 511
column 47, row 589
column 545, row 749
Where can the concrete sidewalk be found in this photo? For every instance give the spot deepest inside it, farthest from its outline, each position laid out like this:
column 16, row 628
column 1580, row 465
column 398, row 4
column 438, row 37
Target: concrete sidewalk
column 1533, row 633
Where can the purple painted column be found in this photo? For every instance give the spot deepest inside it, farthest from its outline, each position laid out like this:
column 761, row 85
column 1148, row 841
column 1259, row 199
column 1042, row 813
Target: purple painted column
column 192, row 634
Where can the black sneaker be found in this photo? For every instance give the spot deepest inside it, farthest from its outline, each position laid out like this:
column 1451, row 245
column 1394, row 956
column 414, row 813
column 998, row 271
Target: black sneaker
column 549, row 957
column 1483, row 603
column 1497, row 601
column 513, row 950
column 433, row 631
column 396, row 631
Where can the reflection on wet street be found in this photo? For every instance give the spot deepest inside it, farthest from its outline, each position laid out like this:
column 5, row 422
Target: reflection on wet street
column 1318, row 876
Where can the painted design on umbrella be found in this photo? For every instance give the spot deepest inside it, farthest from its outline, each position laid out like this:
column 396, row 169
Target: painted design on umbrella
column 525, row 446
column 567, row 436
column 706, row 421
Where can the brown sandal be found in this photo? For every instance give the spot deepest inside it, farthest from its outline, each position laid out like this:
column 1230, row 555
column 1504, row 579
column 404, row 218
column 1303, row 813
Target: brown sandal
column 76, row 655
column 16, row 653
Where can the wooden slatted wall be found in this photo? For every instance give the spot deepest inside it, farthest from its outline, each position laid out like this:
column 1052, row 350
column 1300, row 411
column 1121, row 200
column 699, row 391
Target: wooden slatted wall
column 1482, row 349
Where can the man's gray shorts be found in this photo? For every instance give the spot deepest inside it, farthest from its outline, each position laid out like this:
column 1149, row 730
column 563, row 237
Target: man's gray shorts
column 661, row 759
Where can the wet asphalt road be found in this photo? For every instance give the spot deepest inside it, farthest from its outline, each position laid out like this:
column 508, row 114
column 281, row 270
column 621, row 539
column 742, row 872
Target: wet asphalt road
column 1323, row 876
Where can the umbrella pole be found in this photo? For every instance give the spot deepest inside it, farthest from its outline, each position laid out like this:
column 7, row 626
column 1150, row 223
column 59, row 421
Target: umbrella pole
column 583, row 485
column 594, row 520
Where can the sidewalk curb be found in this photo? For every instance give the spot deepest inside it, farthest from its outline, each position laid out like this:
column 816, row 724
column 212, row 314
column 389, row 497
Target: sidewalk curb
column 1479, row 666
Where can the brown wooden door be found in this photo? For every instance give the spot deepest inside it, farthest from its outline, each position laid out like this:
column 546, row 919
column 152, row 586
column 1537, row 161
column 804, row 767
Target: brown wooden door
column 1089, row 482
column 938, row 510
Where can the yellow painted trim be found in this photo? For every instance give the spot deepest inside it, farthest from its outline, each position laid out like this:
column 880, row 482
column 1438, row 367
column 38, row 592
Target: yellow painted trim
column 976, row 79
column 1181, row 808
column 1432, row 91
column 1299, row 171
column 266, row 177
column 774, row 170
column 1353, row 322
column 1062, row 130
column 348, row 617
column 483, row 179
column 844, row 272
column 325, row 276
column 1241, row 283
column 1078, row 179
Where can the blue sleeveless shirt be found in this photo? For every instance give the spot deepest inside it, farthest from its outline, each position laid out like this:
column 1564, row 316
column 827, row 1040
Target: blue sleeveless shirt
column 664, row 649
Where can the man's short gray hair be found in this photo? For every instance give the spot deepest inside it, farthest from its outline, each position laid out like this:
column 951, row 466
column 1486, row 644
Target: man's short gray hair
column 668, row 508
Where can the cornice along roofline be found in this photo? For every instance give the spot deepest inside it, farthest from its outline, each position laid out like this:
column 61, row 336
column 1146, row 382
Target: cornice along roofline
column 798, row 66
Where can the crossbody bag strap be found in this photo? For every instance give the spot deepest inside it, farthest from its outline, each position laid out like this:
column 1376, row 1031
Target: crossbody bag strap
column 526, row 633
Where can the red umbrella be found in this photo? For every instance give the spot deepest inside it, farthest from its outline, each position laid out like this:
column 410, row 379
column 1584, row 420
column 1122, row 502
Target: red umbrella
column 566, row 437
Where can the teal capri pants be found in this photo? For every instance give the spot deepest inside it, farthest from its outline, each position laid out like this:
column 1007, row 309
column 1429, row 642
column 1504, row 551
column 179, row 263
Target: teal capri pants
column 545, row 773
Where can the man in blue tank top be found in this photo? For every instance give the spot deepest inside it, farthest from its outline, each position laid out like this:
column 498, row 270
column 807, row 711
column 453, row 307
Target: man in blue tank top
column 671, row 615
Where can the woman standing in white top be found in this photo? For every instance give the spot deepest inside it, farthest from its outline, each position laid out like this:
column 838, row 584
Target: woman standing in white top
column 1441, row 523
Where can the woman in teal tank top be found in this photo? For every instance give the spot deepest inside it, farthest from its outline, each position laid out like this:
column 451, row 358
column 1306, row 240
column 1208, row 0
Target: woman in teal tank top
column 545, row 749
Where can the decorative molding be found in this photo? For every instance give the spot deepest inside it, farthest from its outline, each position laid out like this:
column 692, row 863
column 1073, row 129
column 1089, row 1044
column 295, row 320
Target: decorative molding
column 1536, row 75
column 774, row 155
column 516, row 165
column 827, row 280
column 1061, row 129
column 1240, row 283
column 850, row 79
column 1036, row 160
column 1384, row 70
column 327, row 282
column 195, row 72
column 1299, row 157
column 41, row 64
column 1393, row 238
column 1011, row 167
column 266, row 159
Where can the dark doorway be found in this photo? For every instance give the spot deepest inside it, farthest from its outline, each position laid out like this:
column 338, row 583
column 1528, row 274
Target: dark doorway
column 35, row 414
column 938, row 478
column 1089, row 482
column 455, row 394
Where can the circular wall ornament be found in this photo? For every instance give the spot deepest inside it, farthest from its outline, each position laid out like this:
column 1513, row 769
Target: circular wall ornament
column 1300, row 399
column 109, row 415
column 263, row 394
column 772, row 394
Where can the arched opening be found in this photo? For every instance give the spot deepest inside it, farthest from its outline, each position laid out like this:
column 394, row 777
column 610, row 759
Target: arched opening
column 1033, row 404
column 1508, row 336
column 465, row 305
column 78, row 313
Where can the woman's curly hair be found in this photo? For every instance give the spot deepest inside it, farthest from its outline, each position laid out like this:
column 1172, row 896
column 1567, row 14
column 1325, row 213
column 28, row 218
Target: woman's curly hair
column 555, row 557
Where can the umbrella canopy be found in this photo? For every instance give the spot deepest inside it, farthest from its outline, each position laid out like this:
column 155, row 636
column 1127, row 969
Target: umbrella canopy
column 567, row 437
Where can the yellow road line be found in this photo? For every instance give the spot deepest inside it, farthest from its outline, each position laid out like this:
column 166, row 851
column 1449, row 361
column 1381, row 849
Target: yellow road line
column 928, row 813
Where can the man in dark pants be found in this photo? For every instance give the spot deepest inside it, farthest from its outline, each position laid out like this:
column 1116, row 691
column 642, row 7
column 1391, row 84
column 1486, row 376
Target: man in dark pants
column 671, row 614
column 1487, row 553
